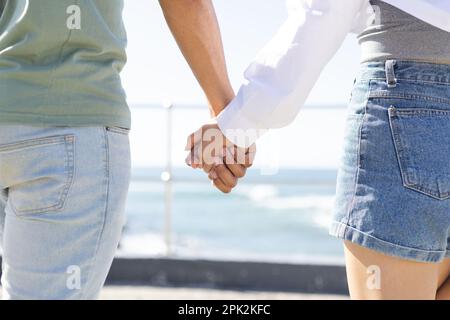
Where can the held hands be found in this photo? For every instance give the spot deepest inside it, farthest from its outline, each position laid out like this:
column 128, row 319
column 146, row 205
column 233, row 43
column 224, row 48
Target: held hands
column 223, row 161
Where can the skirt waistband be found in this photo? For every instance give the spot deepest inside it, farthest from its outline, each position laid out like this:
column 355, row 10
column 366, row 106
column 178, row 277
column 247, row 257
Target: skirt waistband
column 397, row 70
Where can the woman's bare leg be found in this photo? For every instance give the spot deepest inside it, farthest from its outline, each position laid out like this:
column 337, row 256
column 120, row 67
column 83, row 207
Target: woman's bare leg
column 444, row 290
column 372, row 275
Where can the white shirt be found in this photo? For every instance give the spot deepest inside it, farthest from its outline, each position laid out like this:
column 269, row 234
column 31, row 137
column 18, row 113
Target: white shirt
column 281, row 77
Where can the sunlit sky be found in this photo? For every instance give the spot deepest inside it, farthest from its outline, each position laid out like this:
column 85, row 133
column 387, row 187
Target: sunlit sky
column 156, row 72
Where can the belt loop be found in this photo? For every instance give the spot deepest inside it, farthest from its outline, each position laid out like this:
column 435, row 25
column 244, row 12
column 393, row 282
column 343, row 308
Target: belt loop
column 390, row 73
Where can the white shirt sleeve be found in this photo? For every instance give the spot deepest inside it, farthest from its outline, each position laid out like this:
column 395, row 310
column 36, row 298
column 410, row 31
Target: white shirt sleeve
column 280, row 79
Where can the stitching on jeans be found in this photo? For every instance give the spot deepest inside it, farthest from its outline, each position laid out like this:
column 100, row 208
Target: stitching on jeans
column 424, row 81
column 399, row 95
column 418, row 111
column 427, row 191
column 367, row 79
column 72, row 161
column 356, row 179
column 118, row 130
column 103, row 221
column 390, row 243
column 397, row 145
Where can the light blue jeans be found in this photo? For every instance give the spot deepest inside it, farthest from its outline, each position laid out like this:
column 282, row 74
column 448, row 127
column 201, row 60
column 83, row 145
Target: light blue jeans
column 62, row 201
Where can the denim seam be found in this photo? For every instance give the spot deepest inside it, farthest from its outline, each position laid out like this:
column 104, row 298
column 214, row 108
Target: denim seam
column 402, row 62
column 72, row 161
column 397, row 145
column 356, row 179
column 368, row 78
column 389, row 243
column 70, row 167
column 418, row 111
column 427, row 191
column 103, row 219
column 424, row 81
column 391, row 95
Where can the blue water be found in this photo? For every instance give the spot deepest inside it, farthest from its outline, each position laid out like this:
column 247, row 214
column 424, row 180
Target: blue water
column 283, row 217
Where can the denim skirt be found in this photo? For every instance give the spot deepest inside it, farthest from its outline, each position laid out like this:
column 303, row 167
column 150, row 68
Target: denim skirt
column 393, row 182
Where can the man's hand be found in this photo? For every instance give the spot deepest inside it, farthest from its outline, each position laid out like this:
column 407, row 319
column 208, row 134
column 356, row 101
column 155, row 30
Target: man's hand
column 196, row 30
column 224, row 162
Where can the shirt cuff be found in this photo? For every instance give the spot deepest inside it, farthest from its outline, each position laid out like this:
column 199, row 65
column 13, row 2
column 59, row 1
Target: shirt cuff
column 238, row 129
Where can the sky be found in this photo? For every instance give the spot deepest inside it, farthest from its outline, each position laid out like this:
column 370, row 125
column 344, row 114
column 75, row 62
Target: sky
column 157, row 72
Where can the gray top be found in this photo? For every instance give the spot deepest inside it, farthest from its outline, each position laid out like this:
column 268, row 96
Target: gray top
column 398, row 35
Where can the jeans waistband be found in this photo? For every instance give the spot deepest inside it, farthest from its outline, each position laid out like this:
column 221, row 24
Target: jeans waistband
column 397, row 70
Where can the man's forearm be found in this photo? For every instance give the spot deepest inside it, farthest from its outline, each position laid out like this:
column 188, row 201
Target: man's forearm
column 194, row 26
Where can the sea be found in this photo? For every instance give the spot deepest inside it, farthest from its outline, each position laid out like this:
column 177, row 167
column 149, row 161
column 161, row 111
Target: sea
column 278, row 218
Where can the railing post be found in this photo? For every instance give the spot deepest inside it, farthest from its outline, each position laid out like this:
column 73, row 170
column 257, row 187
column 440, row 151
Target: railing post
column 166, row 177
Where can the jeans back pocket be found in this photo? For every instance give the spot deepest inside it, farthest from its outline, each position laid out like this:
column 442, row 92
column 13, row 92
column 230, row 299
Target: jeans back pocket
column 38, row 173
column 422, row 142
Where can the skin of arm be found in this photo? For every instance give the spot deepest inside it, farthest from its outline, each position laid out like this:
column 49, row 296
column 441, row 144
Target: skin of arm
column 194, row 26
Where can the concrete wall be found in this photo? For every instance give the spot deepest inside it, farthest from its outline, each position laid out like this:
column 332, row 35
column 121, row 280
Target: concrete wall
column 230, row 275
column 328, row 279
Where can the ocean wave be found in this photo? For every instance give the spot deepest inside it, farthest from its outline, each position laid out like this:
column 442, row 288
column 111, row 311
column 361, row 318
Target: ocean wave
column 317, row 207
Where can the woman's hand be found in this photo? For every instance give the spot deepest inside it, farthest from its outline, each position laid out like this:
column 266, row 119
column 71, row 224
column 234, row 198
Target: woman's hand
column 223, row 161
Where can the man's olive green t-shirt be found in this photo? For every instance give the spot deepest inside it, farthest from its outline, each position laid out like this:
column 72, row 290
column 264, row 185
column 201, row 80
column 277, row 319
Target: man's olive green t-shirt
column 60, row 62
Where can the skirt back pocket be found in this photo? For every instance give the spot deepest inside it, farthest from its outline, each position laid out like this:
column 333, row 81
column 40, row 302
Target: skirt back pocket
column 422, row 142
